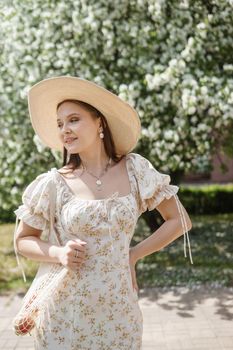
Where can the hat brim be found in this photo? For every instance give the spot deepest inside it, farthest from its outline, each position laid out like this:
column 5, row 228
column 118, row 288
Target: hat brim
column 44, row 96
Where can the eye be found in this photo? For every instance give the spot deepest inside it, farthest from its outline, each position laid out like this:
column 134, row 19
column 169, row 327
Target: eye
column 72, row 120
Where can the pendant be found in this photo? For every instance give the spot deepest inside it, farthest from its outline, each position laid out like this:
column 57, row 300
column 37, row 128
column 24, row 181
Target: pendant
column 98, row 182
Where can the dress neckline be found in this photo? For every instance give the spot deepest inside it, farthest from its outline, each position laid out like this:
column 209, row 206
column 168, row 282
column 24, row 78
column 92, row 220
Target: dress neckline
column 114, row 195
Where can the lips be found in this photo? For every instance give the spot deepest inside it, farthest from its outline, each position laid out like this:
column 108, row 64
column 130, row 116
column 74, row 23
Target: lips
column 69, row 140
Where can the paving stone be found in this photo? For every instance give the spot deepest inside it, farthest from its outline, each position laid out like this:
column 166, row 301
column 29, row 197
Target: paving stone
column 175, row 319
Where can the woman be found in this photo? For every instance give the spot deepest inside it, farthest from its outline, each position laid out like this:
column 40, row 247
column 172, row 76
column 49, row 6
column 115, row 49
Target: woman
column 101, row 191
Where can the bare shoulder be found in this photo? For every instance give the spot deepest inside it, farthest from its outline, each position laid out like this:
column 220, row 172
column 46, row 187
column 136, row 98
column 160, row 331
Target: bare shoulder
column 69, row 173
column 65, row 170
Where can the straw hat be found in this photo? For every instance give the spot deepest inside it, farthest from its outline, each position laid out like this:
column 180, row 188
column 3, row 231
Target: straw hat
column 44, row 96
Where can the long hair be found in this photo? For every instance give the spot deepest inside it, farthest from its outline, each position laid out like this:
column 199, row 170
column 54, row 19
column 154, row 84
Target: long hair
column 74, row 160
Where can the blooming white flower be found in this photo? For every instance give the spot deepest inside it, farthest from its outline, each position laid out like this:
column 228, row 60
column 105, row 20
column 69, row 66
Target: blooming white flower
column 191, row 110
column 152, row 64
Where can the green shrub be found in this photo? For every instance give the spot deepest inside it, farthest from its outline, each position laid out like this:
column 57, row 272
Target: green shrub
column 207, row 199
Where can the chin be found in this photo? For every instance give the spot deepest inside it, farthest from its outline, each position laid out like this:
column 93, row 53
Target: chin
column 72, row 150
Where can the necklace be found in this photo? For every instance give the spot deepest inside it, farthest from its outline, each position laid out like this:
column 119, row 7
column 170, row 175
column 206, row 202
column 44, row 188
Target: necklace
column 98, row 181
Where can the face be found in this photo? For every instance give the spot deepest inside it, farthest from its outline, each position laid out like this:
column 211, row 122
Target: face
column 74, row 122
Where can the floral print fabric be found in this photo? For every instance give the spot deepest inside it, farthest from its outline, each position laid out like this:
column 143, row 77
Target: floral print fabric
column 95, row 307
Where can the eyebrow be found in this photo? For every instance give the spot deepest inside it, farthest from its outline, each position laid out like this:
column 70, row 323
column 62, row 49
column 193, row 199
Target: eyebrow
column 69, row 116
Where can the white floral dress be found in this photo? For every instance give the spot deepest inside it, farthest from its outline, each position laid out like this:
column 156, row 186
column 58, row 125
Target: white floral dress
column 95, row 308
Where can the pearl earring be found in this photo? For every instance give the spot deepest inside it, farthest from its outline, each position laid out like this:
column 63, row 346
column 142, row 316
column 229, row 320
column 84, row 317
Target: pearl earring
column 101, row 132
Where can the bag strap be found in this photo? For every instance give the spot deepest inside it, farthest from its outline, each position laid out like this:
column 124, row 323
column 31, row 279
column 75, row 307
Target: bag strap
column 52, row 201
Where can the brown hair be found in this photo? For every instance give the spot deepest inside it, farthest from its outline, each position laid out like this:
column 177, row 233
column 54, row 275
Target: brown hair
column 74, row 162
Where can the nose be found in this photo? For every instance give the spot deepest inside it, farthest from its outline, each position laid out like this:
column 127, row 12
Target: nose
column 64, row 129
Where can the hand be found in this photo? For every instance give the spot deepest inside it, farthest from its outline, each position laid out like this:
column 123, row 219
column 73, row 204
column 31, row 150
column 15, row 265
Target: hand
column 132, row 263
column 67, row 254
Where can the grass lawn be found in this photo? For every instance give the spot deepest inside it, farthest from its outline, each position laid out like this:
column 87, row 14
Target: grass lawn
column 212, row 247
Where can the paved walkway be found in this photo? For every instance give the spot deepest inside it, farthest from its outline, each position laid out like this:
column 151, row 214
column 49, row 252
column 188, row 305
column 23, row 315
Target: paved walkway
column 174, row 319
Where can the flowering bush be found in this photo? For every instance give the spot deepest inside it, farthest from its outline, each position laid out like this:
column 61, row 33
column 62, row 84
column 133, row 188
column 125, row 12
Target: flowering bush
column 170, row 59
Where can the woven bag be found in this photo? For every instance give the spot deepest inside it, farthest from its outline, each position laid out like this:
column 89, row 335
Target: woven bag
column 45, row 282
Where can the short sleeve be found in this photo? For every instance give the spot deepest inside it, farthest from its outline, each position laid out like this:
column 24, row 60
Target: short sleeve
column 153, row 186
column 35, row 207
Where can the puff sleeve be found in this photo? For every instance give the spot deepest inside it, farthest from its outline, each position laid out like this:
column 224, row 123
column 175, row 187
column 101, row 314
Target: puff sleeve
column 153, row 188
column 35, row 210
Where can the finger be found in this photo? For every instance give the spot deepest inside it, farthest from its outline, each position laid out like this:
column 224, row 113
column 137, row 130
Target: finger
column 134, row 279
column 78, row 259
column 135, row 285
column 74, row 265
column 80, row 242
column 79, row 254
column 78, row 246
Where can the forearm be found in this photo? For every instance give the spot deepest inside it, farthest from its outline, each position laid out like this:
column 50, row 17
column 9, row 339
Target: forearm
column 165, row 234
column 36, row 249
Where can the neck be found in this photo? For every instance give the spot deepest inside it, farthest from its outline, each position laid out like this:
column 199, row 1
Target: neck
column 95, row 165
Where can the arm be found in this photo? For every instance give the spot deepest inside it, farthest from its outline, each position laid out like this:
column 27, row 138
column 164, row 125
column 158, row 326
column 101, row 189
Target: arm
column 30, row 245
column 169, row 231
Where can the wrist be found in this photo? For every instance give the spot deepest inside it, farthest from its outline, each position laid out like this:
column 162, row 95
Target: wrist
column 133, row 254
column 55, row 253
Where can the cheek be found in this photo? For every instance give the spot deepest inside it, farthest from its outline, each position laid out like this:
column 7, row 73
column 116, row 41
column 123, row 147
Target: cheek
column 89, row 131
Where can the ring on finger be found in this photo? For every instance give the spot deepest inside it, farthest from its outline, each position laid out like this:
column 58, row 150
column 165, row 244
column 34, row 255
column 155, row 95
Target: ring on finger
column 76, row 253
